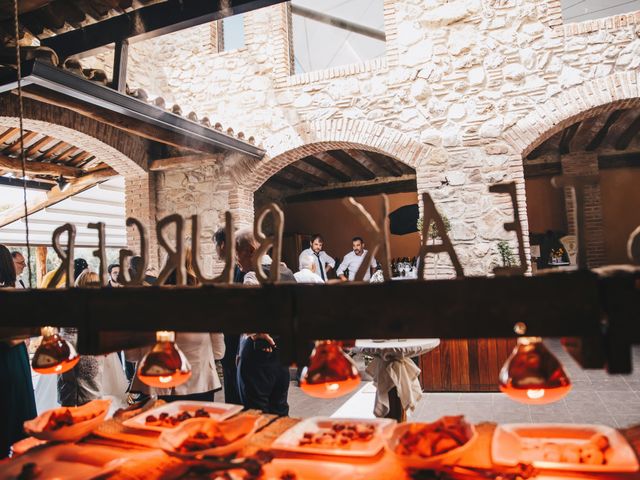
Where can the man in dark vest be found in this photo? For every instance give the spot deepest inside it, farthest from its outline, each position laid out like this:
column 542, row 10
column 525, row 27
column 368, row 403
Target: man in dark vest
column 263, row 381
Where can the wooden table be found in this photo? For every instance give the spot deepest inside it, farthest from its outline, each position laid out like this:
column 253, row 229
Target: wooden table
column 150, row 463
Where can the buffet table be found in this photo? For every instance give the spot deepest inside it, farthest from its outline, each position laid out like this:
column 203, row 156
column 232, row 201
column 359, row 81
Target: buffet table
column 141, row 459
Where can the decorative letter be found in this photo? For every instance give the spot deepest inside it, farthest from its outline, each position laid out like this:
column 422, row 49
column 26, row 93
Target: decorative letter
column 577, row 183
column 515, row 226
column 379, row 236
column 266, row 243
column 125, row 254
column 175, row 258
column 430, row 213
column 633, row 246
column 229, row 251
column 100, row 253
column 66, row 267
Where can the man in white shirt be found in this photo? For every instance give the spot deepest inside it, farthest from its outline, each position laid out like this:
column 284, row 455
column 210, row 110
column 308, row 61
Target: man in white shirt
column 19, row 263
column 308, row 268
column 353, row 260
column 324, row 261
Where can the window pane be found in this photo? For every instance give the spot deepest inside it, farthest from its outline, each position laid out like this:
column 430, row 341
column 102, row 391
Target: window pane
column 583, row 10
column 321, row 41
column 233, row 28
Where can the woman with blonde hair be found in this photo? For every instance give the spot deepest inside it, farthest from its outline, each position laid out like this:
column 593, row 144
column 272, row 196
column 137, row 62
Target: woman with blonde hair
column 94, row 376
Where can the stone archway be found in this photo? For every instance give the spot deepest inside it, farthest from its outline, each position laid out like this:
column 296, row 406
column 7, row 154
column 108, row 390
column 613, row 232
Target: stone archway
column 576, row 133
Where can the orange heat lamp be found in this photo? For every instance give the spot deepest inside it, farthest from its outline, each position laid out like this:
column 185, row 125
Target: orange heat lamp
column 331, row 373
column 532, row 374
column 55, row 354
column 165, row 365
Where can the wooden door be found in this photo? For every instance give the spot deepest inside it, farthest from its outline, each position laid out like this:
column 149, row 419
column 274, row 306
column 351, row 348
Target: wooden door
column 465, row 365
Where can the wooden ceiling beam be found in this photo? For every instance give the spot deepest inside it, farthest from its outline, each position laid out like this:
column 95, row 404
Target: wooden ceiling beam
column 542, row 169
column 177, row 163
column 599, row 137
column 306, row 177
column 360, row 188
column 8, row 134
column 52, row 151
column 281, row 178
column 619, row 160
column 321, row 162
column 357, row 169
column 626, row 137
column 619, row 127
column 68, row 153
column 35, row 148
column 549, row 146
column 77, row 159
column 567, row 136
column 23, row 141
column 392, row 162
column 588, row 128
column 55, row 195
column 39, row 168
column 315, row 171
column 379, row 169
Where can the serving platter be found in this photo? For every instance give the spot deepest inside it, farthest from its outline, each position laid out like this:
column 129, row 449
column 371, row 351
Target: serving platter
column 216, row 411
column 290, row 440
column 537, row 444
column 65, row 461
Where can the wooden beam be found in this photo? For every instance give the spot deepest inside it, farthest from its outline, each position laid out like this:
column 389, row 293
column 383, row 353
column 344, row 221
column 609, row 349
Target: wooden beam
column 8, row 134
column 177, row 163
column 78, row 158
column 321, row 162
column 379, row 169
column 549, row 146
column 314, row 171
column 288, row 181
column 392, row 163
column 624, row 139
column 588, row 128
column 567, row 136
column 55, row 195
column 52, row 151
column 66, row 154
column 619, row 160
column 24, row 141
column 35, row 148
column 362, row 188
column 39, row 168
column 306, row 177
column 357, row 169
column 599, row 138
column 120, row 61
column 542, row 169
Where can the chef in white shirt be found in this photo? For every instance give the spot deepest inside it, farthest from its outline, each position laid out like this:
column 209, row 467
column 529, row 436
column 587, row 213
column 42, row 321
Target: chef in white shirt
column 324, row 261
column 353, row 260
column 308, row 269
column 19, row 263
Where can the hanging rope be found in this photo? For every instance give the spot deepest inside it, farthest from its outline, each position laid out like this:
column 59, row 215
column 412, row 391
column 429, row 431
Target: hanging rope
column 22, row 159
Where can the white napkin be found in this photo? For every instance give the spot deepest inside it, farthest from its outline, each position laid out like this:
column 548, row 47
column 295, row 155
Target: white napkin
column 401, row 373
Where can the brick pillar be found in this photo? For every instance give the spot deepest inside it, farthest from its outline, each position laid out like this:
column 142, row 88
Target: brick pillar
column 140, row 202
column 586, row 163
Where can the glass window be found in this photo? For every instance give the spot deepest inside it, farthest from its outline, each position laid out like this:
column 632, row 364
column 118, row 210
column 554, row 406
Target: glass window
column 336, row 32
column 583, row 10
column 231, row 31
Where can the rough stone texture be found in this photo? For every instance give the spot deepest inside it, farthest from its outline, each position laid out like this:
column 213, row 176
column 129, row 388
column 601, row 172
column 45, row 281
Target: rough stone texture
column 465, row 89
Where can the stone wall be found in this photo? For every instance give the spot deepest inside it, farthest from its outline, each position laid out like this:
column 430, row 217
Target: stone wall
column 466, row 87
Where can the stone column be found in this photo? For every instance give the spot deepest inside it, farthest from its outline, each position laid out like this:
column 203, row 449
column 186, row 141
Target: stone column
column 586, row 163
column 140, row 203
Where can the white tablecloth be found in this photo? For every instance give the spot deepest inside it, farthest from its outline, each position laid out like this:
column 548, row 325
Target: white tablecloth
column 392, row 367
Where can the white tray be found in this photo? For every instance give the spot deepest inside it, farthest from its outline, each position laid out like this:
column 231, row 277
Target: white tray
column 519, row 442
column 290, row 440
column 217, row 411
column 66, row 461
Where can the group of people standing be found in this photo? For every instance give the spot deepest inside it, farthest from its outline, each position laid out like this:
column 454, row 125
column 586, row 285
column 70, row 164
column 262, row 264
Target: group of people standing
column 252, row 372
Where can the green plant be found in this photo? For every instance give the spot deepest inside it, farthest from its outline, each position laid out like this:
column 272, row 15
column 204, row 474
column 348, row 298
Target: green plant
column 506, row 254
column 433, row 229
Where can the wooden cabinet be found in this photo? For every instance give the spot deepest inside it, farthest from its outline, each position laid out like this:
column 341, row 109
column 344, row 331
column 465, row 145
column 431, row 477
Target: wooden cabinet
column 465, row 365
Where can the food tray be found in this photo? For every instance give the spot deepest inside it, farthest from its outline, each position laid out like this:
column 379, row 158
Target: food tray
column 218, row 411
column 289, row 440
column 520, row 442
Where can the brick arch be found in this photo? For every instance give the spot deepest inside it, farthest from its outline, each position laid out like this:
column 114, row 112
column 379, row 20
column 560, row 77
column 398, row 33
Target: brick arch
column 307, row 138
column 589, row 99
column 125, row 153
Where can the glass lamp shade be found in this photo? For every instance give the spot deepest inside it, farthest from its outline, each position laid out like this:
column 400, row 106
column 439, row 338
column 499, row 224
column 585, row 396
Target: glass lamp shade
column 55, row 354
column 331, row 373
column 165, row 366
column 533, row 375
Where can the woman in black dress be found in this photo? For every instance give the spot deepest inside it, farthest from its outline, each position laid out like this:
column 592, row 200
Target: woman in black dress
column 17, row 401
